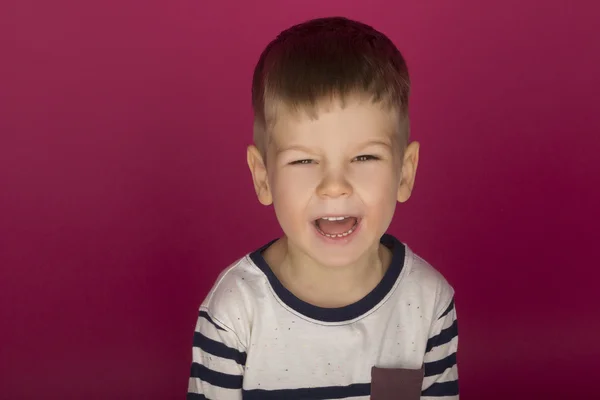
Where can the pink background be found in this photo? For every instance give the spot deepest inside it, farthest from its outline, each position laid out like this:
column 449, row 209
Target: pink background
column 124, row 189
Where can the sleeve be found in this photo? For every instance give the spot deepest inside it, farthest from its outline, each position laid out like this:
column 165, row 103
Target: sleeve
column 218, row 360
column 441, row 372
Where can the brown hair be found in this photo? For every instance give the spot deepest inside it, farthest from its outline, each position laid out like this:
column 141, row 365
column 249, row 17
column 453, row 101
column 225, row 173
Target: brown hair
column 326, row 58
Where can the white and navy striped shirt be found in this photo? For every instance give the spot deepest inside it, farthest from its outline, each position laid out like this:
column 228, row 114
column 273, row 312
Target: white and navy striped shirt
column 255, row 340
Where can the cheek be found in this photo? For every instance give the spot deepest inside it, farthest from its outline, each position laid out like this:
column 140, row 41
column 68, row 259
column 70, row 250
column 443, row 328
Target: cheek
column 289, row 203
column 291, row 194
column 376, row 185
column 294, row 185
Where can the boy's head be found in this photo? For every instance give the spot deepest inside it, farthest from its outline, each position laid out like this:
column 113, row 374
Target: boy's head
column 330, row 99
column 325, row 59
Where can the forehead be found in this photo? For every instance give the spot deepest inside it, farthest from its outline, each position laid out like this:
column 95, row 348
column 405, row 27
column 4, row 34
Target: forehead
column 350, row 120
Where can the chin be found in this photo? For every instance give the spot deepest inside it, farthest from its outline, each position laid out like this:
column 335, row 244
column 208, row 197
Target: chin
column 344, row 251
column 335, row 252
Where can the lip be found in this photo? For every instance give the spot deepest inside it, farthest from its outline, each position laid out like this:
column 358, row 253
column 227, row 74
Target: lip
column 337, row 216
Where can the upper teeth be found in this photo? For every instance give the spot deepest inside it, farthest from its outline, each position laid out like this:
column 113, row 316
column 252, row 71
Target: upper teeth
column 334, row 218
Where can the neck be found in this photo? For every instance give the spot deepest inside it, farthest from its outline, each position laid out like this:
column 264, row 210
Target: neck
column 327, row 286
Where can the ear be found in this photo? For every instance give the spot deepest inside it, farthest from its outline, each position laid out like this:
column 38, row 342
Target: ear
column 409, row 171
column 259, row 175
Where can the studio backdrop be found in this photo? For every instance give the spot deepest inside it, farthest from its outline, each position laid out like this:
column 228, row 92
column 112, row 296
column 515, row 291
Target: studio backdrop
column 124, row 189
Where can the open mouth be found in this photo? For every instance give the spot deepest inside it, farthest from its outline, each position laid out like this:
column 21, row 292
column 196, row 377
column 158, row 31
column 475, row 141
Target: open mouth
column 336, row 227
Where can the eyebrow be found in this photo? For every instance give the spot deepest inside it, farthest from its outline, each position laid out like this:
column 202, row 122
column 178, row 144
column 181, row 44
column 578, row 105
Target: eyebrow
column 361, row 146
column 375, row 143
column 294, row 147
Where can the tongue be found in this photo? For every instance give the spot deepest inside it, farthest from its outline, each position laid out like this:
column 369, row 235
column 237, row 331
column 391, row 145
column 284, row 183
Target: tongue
column 336, row 227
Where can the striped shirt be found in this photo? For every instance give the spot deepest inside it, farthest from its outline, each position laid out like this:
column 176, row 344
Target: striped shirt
column 255, row 340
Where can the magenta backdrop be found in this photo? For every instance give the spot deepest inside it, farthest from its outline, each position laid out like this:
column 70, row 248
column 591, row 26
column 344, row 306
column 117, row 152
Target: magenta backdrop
column 124, row 189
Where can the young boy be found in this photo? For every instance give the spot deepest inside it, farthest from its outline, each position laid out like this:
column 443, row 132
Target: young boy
column 335, row 308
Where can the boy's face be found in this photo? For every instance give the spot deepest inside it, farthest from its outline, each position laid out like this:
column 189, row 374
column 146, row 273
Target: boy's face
column 345, row 163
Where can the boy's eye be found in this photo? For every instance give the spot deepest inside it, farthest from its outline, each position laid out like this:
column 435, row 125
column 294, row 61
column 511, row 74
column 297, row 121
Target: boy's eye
column 366, row 157
column 301, row 162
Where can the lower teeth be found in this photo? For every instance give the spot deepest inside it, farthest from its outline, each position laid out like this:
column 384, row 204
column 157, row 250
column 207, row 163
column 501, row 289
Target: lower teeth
column 338, row 235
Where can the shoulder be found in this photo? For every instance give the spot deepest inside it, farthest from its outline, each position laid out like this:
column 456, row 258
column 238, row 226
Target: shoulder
column 231, row 300
column 428, row 281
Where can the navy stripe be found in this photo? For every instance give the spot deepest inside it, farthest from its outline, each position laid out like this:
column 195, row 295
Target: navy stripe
column 440, row 389
column 204, row 314
column 219, row 349
column 215, row 378
column 196, row 396
column 448, row 309
column 445, row 336
column 317, row 393
column 348, row 312
column 437, row 367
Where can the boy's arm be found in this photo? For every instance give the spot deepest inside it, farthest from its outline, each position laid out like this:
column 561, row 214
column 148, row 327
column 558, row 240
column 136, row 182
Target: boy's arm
column 218, row 359
column 441, row 373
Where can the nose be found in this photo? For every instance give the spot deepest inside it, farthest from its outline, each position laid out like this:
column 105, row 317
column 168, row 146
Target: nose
column 334, row 184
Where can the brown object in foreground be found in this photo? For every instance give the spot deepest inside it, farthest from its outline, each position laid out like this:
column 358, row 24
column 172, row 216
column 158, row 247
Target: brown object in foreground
column 396, row 383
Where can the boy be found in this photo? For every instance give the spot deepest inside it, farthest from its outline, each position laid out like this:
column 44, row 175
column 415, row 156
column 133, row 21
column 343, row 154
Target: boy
column 335, row 308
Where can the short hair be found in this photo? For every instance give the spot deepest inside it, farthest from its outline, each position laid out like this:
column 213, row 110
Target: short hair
column 326, row 58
